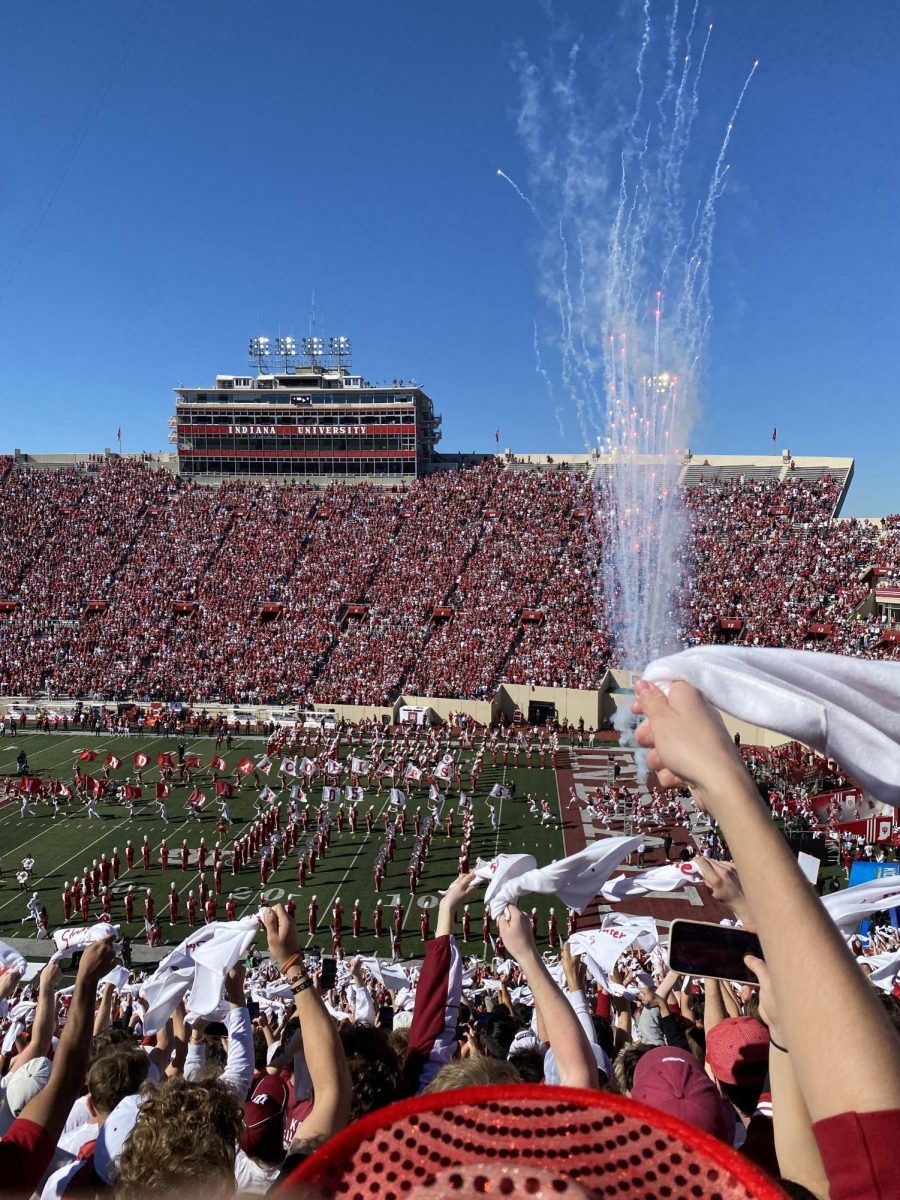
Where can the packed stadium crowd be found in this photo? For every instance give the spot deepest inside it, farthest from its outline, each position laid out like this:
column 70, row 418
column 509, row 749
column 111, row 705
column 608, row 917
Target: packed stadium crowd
column 228, row 1066
column 123, row 580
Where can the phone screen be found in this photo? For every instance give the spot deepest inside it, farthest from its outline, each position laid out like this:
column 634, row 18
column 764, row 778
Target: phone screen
column 717, row 951
column 329, row 972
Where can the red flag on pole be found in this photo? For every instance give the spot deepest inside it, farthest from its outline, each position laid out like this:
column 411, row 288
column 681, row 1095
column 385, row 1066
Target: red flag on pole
column 245, row 766
column 141, row 759
column 217, row 763
column 87, row 756
column 162, row 791
column 224, row 789
column 774, row 436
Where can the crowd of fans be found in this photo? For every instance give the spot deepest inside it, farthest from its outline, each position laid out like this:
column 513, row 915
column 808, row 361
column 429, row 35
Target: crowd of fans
column 125, row 581
column 225, row 1075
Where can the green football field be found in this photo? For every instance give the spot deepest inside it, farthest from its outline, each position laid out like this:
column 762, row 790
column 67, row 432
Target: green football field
column 64, row 846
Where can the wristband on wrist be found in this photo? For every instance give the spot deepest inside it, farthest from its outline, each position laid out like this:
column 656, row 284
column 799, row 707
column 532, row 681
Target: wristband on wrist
column 301, row 986
column 286, row 966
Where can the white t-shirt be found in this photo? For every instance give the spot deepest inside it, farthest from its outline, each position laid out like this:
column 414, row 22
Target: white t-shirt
column 252, row 1177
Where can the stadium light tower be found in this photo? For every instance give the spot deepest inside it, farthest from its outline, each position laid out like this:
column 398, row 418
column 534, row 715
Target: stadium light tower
column 260, row 350
column 339, row 349
column 286, row 350
column 313, row 348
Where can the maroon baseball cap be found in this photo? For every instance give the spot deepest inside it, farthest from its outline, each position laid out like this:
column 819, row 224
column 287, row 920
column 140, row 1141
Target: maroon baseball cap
column 737, row 1050
column 673, row 1081
column 262, row 1130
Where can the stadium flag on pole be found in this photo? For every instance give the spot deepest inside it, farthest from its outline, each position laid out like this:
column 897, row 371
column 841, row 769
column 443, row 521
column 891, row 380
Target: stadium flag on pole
column 87, row 755
column 264, row 764
column 62, row 789
column 133, row 793
column 245, row 766
column 267, row 795
column 28, row 785
column 333, row 767
column 141, row 759
column 499, row 792
column 289, row 766
column 224, row 789
column 397, row 797
column 297, row 793
column 386, row 772
column 355, row 795
column 192, row 760
column 164, row 758
column 197, row 799
column 435, row 794
column 359, row 766
column 774, row 436
column 444, row 772
column 93, row 786
column 162, row 791
column 497, row 435
column 331, row 795
column 216, row 763
column 308, row 767
column 413, row 772
column 112, row 762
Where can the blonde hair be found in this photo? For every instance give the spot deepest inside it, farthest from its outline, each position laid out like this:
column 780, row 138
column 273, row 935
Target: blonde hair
column 184, row 1140
column 476, row 1071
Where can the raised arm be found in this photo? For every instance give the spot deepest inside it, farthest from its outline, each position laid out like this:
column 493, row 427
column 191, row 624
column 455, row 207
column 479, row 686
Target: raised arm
column 688, row 743
column 571, row 1048
column 322, row 1047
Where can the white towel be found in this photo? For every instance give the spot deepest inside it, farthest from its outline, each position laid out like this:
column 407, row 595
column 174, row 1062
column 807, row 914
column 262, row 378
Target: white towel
column 849, row 906
column 11, row 960
column 667, row 878
column 73, row 939
column 575, row 880
column 846, row 708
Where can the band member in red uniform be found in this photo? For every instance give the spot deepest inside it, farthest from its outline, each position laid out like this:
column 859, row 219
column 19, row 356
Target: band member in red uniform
column 377, row 918
column 202, row 890
column 185, row 855
column 486, row 928
column 356, row 919
column 370, row 820
column 105, row 870
column 145, row 852
column 191, row 909
column 116, row 863
column 290, row 907
column 337, row 916
column 164, row 854
column 466, row 923
column 129, row 855
column 312, row 911
column 301, row 872
column 149, row 906
column 67, row 901
column 263, row 871
column 552, row 932
column 129, row 904
column 201, row 855
column 211, row 909
column 230, row 907
column 85, row 906
column 173, row 905
column 217, row 879
column 398, row 917
column 571, row 923
column 425, row 922
column 534, row 923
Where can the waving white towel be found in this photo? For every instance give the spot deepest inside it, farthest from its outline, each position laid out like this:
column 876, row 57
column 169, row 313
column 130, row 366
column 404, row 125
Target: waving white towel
column 667, row 878
column 11, row 960
column 576, row 880
column 849, row 906
column 846, row 708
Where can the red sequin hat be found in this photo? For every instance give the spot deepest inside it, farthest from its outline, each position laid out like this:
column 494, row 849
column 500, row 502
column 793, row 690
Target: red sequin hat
column 525, row 1142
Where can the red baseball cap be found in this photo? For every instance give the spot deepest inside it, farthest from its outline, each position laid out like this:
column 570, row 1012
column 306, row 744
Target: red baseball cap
column 262, row 1130
column 673, row 1081
column 737, row 1050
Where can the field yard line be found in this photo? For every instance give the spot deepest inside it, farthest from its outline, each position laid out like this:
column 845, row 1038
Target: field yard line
column 337, row 891
column 499, row 818
column 562, row 832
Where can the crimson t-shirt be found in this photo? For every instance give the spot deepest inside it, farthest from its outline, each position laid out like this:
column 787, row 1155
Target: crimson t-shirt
column 859, row 1152
column 25, row 1154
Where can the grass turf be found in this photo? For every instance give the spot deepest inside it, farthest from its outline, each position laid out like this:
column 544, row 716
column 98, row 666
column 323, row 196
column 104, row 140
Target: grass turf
column 62, row 847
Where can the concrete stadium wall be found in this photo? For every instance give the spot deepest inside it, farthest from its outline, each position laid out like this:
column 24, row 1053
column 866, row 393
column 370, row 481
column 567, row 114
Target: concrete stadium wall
column 571, row 705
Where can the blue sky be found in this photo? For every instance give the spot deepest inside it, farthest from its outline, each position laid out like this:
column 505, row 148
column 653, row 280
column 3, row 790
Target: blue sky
column 177, row 177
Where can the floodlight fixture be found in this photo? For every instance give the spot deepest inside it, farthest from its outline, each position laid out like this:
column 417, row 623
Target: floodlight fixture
column 313, row 347
column 260, row 349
